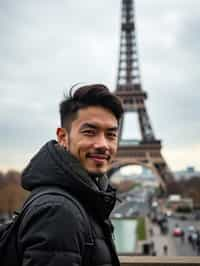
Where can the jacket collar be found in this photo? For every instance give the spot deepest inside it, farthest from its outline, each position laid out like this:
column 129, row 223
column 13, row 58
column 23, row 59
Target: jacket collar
column 54, row 166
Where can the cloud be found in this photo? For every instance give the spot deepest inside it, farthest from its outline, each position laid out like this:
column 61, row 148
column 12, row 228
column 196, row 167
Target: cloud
column 182, row 156
column 47, row 46
column 168, row 43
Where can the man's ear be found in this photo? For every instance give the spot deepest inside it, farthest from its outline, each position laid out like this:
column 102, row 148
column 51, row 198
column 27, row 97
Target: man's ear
column 62, row 137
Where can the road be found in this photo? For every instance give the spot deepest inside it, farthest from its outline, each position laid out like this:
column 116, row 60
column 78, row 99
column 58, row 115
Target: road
column 183, row 248
column 133, row 204
column 131, row 208
column 176, row 247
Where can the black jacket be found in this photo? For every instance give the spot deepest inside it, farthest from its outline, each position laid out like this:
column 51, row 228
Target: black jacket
column 53, row 231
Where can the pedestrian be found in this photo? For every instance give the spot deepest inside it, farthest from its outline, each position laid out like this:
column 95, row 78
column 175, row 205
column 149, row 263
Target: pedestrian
column 190, row 238
column 151, row 232
column 183, row 236
column 193, row 239
column 154, row 253
column 198, row 243
column 53, row 230
column 152, row 246
column 165, row 250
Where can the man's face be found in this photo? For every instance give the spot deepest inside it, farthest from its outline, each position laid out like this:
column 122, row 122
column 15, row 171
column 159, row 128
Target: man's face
column 92, row 139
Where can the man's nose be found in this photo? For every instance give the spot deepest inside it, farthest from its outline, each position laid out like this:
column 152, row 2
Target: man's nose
column 101, row 142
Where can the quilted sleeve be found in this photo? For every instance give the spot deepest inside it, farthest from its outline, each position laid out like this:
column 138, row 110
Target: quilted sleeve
column 52, row 234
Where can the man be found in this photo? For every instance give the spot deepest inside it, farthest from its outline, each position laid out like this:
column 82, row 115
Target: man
column 53, row 231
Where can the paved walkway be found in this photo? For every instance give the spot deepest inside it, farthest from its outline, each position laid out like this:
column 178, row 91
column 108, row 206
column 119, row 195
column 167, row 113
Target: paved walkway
column 160, row 240
column 176, row 247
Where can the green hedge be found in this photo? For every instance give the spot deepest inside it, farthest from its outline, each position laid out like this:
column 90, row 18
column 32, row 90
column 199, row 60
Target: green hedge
column 184, row 209
column 141, row 229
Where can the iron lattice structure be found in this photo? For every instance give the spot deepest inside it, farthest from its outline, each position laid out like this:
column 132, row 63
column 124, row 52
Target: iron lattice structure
column 147, row 151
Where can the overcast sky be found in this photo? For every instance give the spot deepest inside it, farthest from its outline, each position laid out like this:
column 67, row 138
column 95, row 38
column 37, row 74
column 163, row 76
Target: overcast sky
column 46, row 46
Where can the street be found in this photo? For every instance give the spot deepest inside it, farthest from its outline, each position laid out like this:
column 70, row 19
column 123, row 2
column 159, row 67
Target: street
column 136, row 204
column 176, row 246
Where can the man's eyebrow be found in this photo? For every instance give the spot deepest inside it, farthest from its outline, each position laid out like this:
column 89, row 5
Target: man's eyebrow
column 113, row 128
column 88, row 125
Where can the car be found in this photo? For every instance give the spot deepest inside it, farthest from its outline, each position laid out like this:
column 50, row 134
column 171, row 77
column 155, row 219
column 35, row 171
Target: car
column 196, row 215
column 132, row 212
column 168, row 213
column 191, row 228
column 117, row 215
column 128, row 198
column 183, row 217
column 177, row 231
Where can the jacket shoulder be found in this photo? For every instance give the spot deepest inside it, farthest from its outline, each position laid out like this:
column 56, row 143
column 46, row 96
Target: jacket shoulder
column 54, row 224
column 67, row 205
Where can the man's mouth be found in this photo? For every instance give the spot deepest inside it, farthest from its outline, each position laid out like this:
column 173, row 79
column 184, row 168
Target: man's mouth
column 99, row 158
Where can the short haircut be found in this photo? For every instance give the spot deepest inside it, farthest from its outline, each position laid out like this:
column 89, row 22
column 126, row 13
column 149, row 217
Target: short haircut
column 86, row 96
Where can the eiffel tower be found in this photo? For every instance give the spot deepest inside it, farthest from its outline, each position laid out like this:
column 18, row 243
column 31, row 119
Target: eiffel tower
column 146, row 151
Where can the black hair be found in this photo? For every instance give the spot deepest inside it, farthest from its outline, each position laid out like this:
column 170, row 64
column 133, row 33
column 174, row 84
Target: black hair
column 85, row 96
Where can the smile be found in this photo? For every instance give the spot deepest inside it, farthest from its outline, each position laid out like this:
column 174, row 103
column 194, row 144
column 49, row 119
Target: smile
column 99, row 158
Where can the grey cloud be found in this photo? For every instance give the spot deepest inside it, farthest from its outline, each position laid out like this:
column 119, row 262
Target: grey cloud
column 47, row 46
column 168, row 46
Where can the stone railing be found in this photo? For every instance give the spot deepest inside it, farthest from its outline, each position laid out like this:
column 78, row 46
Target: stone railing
column 159, row 261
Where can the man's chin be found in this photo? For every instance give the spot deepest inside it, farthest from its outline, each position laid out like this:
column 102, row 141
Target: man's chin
column 96, row 173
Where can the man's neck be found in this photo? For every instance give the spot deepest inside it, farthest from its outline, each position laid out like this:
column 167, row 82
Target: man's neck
column 101, row 181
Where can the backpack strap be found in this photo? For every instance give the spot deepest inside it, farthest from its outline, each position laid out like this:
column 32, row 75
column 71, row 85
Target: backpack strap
column 89, row 244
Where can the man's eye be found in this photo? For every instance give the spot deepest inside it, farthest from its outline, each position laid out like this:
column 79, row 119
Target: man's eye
column 89, row 132
column 112, row 135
